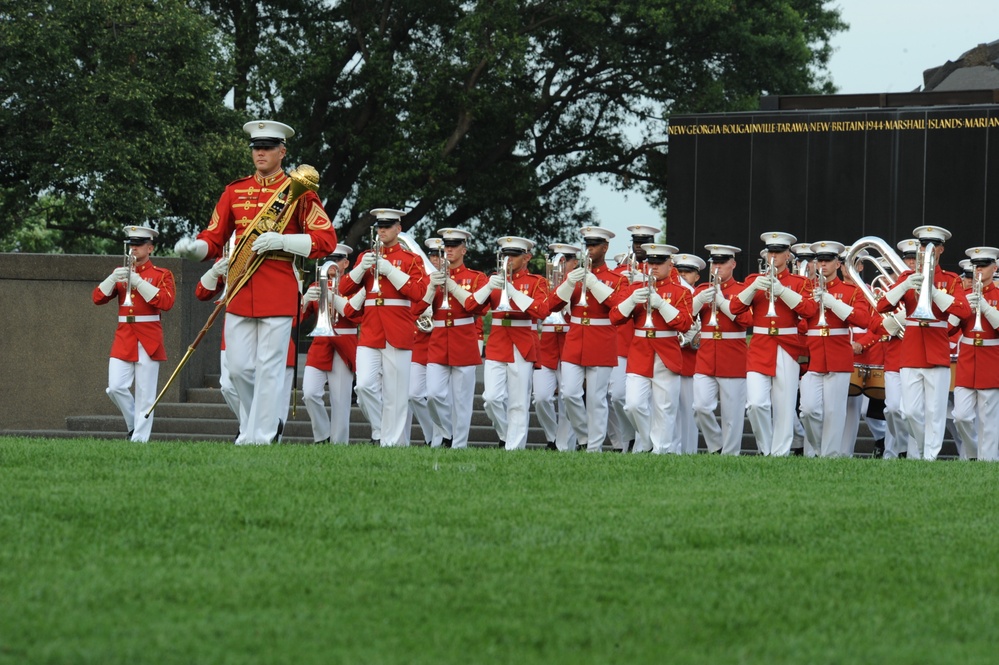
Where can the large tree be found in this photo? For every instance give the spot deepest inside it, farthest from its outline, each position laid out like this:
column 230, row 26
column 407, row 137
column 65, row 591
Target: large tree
column 491, row 115
column 111, row 113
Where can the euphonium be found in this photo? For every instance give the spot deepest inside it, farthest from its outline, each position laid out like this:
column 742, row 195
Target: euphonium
column 715, row 281
column 328, row 287
column 130, row 264
column 887, row 276
column 502, row 267
column 924, row 306
column 977, row 290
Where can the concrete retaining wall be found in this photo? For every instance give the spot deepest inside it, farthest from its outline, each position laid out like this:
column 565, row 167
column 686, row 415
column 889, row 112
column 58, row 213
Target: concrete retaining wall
column 54, row 342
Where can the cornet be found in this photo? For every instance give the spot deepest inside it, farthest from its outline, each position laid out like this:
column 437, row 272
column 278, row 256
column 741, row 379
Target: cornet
column 328, row 287
column 502, row 267
column 977, row 290
column 130, row 264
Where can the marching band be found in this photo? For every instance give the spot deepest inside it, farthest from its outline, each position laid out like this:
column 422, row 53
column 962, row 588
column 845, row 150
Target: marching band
column 650, row 356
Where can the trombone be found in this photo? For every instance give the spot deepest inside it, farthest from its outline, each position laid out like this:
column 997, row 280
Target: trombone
column 328, row 287
column 130, row 264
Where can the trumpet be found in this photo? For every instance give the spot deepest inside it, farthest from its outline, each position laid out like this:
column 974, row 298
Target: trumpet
column 927, row 258
column 328, row 287
column 555, row 274
column 130, row 264
column 648, row 324
column 977, row 290
column 817, row 292
column 585, row 265
column 502, row 267
column 446, row 302
column 772, row 272
column 376, row 249
column 715, row 282
column 226, row 253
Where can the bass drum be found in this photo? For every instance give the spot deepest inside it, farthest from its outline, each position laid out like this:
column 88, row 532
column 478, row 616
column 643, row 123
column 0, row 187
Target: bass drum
column 874, row 381
column 857, row 380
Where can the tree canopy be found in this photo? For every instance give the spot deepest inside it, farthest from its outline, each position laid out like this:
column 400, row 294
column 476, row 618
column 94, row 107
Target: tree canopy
column 485, row 115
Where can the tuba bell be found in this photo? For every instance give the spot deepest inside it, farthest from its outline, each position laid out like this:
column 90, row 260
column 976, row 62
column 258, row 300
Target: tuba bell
column 328, row 287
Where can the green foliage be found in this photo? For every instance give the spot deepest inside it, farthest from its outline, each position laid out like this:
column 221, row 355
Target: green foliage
column 112, row 111
column 176, row 553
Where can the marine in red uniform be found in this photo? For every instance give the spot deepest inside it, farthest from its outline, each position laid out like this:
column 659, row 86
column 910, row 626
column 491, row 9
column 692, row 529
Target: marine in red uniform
column 659, row 311
column 548, row 404
column 395, row 281
column 976, row 391
column 259, row 318
column 454, row 341
column 688, row 269
column 720, row 372
column 925, row 350
column 825, row 387
column 772, row 360
column 512, row 347
column 142, row 291
column 333, row 352
column 590, row 351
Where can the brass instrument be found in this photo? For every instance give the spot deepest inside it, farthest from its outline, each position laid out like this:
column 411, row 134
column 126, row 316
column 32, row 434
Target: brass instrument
column 274, row 216
column 130, row 264
column 445, row 268
column 648, row 324
column 927, row 258
column 585, row 265
column 886, row 277
column 426, row 322
column 555, row 274
column 977, row 290
column 772, row 273
column 328, row 287
column 502, row 267
column 714, row 281
column 376, row 249
column 226, row 253
column 817, row 292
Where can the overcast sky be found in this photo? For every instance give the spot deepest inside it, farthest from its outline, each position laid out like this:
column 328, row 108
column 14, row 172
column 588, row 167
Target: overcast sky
column 886, row 48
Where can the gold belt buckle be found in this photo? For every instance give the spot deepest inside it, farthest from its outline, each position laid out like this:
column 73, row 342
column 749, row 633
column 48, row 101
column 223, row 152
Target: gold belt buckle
column 650, row 334
column 559, row 329
column 506, row 322
column 924, row 324
column 773, row 330
column 129, row 319
column 585, row 321
column 716, row 335
column 379, row 301
column 823, row 332
column 979, row 341
column 448, row 323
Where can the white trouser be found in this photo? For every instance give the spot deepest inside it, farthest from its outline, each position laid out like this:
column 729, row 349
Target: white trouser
column 257, row 353
column 589, row 420
column 897, row 439
column 418, row 407
column 225, row 385
column 619, row 427
column 976, row 416
column 289, row 377
column 924, row 407
column 731, row 392
column 383, row 392
column 450, row 395
column 959, row 439
column 685, row 437
column 823, row 410
column 770, row 405
column 652, row 405
column 334, row 425
column 549, row 407
column 144, row 373
column 507, row 398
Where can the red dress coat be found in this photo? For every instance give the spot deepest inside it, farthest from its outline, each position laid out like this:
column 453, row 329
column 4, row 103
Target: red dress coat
column 592, row 339
column 130, row 333
column 830, row 348
column 723, row 347
column 454, row 340
column 518, row 328
column 660, row 340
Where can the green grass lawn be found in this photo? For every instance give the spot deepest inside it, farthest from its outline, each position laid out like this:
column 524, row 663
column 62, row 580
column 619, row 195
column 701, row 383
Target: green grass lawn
column 112, row 552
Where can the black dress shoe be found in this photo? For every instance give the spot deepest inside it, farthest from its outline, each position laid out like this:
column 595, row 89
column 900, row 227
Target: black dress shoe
column 551, row 446
column 326, row 440
column 128, row 437
column 376, row 442
column 903, row 455
column 797, row 452
column 446, row 443
column 280, row 431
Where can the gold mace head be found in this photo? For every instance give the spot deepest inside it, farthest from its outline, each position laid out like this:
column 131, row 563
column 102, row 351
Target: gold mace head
column 306, row 176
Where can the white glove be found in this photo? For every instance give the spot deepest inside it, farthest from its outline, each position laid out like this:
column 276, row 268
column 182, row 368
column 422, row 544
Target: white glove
column 107, row 286
column 311, row 294
column 991, row 314
column 482, row 295
column 973, row 299
column 120, row 275
column 600, row 290
column 827, row 299
column 385, row 267
column 460, row 294
column 655, row 300
column 496, row 282
column 841, row 309
column 576, row 276
column 701, row 299
column 747, row 294
column 221, row 267
column 339, row 303
column 565, row 290
column 191, row 248
column 777, row 287
column 134, row 280
column 892, row 325
column 270, row 241
column 790, row 297
column 520, row 299
column 898, row 291
column 639, row 295
column 363, row 265
column 762, row 283
column 667, row 310
column 438, row 278
column 941, row 299
column 145, row 289
column 914, row 281
column 591, row 280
